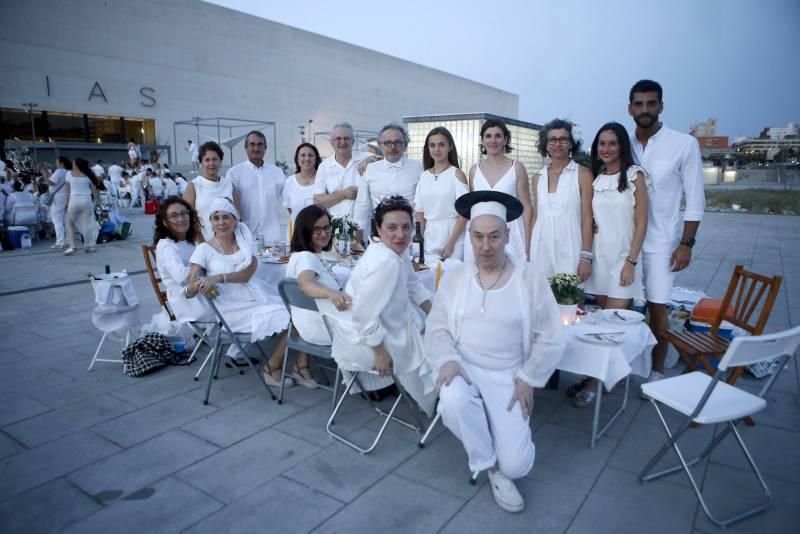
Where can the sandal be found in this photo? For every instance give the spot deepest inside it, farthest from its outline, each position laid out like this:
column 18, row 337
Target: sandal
column 575, row 388
column 584, row 398
column 268, row 373
column 306, row 382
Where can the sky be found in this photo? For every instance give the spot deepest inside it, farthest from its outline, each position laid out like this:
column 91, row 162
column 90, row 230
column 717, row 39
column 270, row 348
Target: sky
column 735, row 60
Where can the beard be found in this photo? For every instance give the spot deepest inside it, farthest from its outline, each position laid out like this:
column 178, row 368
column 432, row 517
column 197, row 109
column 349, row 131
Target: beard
column 645, row 120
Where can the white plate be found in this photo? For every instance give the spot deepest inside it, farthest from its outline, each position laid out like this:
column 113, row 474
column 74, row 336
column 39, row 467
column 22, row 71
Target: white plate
column 272, row 259
column 601, row 339
column 621, row 316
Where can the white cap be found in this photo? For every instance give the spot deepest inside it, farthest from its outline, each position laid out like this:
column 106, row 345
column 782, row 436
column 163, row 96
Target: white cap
column 488, row 208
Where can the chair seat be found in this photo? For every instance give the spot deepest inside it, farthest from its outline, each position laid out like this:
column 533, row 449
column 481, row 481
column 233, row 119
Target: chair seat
column 683, row 393
column 697, row 342
column 300, row 344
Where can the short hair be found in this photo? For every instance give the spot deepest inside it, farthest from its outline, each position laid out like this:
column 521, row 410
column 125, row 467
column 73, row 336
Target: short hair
column 388, row 205
column 395, row 126
column 258, row 133
column 303, row 229
column 345, row 125
column 162, row 231
column 452, row 154
column 211, row 145
column 556, row 124
column 646, row 86
column 496, row 123
column 297, row 155
column 66, row 162
column 625, row 153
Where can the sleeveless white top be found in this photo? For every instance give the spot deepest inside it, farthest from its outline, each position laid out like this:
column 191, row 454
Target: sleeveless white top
column 556, row 237
column 205, row 192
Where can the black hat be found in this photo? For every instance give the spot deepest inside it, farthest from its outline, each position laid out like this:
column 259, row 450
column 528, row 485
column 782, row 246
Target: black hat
column 509, row 204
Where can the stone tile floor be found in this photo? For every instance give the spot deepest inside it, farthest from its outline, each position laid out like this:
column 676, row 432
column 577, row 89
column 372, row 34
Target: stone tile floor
column 98, row 451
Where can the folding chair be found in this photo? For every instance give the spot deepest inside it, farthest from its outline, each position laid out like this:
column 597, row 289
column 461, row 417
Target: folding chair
column 421, row 444
column 201, row 329
column 292, row 296
column 223, row 335
column 709, row 400
column 355, row 373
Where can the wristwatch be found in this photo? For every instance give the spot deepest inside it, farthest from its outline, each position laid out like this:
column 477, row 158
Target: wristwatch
column 689, row 242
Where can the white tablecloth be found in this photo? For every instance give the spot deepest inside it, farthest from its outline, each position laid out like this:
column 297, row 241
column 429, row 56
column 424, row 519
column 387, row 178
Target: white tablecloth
column 608, row 363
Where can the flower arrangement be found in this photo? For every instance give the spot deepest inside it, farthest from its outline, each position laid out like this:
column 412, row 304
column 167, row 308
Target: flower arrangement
column 565, row 287
column 344, row 225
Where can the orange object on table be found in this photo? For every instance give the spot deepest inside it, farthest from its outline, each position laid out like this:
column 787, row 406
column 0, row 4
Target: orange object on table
column 707, row 309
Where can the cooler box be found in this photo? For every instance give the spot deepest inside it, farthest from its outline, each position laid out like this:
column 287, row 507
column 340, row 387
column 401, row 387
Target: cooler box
column 703, row 315
column 15, row 235
column 151, row 207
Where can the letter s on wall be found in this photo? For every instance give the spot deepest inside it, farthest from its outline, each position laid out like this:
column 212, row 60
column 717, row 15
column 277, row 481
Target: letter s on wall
column 148, row 93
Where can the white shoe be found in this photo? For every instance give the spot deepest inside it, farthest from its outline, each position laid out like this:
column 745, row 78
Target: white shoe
column 57, row 246
column 69, row 252
column 654, row 375
column 505, row 492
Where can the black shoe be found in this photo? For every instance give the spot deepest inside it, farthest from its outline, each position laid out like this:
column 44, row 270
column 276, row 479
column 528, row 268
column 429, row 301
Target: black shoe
column 379, row 394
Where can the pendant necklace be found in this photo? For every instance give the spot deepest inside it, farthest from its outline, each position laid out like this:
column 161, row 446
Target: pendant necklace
column 437, row 174
column 487, row 289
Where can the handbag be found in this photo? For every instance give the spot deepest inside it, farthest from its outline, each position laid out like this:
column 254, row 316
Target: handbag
column 148, row 353
column 50, row 197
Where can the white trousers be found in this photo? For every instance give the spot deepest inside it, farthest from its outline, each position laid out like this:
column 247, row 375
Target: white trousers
column 80, row 217
column 476, row 413
column 57, row 215
column 136, row 193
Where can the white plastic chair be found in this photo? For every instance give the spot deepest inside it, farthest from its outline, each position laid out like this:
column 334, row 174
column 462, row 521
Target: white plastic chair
column 705, row 399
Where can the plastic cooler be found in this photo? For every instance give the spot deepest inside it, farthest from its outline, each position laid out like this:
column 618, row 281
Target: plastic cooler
column 15, row 235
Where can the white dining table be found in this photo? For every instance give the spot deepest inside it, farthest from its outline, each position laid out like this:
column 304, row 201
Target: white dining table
column 607, row 362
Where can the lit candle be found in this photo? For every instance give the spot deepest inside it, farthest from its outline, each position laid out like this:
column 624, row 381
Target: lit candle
column 438, row 273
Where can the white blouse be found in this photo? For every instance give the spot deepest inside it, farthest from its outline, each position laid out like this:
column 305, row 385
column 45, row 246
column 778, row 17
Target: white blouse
column 79, row 185
column 308, row 323
column 205, row 192
column 296, row 196
column 172, row 259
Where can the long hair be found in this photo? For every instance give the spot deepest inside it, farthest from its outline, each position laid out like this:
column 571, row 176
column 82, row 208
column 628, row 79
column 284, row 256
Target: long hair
column 162, row 231
column 496, row 123
column 452, row 154
column 303, row 230
column 625, row 153
column 297, row 156
column 83, row 166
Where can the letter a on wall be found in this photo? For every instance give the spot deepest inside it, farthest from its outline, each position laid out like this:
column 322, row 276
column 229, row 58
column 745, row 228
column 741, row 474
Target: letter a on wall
column 97, row 91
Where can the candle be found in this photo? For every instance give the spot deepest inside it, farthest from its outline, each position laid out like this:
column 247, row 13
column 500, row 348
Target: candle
column 290, row 228
column 438, row 273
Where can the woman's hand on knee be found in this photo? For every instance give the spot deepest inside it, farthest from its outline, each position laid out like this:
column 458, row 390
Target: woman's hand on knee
column 447, row 374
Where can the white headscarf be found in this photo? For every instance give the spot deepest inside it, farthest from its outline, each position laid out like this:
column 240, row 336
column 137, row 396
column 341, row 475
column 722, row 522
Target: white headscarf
column 243, row 235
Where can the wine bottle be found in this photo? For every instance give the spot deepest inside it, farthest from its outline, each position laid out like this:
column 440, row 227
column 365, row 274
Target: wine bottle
column 419, row 241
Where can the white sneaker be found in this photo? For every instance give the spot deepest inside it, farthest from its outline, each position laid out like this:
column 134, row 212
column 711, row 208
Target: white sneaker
column 654, row 375
column 69, row 252
column 505, row 492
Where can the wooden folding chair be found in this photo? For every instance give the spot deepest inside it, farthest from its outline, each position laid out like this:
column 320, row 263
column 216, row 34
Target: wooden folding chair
column 151, row 264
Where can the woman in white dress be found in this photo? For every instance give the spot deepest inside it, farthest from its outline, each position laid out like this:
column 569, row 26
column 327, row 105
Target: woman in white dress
column 299, row 189
column 562, row 219
column 316, row 279
column 500, row 173
column 176, row 231
column 439, row 186
column 619, row 205
column 203, row 189
column 81, row 193
column 381, row 331
column 246, row 305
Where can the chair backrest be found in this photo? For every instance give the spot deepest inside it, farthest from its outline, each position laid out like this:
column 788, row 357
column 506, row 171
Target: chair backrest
column 745, row 350
column 289, row 291
column 149, row 252
column 25, row 214
column 747, row 294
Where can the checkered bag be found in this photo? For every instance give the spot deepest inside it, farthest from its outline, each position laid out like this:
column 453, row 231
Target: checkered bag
column 146, row 354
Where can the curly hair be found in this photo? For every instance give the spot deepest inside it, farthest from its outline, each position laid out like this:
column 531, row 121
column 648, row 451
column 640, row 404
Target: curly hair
column 557, row 124
column 162, row 231
column 388, row 205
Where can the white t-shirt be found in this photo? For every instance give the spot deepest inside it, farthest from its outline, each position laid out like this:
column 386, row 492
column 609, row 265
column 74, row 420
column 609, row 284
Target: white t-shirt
column 79, row 185
column 156, row 186
column 296, row 196
column 332, row 177
column 98, row 170
column 310, row 324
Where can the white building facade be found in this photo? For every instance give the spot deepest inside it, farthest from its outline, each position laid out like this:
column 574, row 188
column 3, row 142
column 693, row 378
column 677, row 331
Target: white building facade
column 103, row 71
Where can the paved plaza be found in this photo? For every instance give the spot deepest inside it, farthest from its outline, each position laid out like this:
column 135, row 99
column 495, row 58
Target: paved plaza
column 98, row 451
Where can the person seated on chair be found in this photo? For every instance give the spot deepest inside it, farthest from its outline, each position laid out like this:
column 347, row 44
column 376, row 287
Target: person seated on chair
column 20, row 198
column 316, row 279
column 176, row 232
column 492, row 336
column 229, row 263
column 388, row 302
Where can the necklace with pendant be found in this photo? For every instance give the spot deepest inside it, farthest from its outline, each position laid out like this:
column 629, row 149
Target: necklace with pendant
column 487, row 289
column 437, row 174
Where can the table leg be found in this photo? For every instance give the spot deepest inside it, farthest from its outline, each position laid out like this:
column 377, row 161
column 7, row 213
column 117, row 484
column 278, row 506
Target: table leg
column 596, row 434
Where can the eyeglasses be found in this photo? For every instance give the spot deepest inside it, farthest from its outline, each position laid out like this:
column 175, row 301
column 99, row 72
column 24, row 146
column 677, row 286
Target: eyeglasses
column 178, row 215
column 395, row 144
column 558, row 140
column 319, row 230
column 342, row 139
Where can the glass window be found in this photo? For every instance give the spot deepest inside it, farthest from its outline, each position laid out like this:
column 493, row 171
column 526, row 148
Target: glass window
column 65, row 127
column 104, row 129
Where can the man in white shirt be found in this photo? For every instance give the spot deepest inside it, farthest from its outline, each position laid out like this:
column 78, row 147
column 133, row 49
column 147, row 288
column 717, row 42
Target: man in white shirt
column 194, row 153
column 493, row 335
column 393, row 175
column 115, row 173
column 260, row 188
column 674, row 167
column 336, row 184
column 137, row 193
column 155, row 185
column 98, row 169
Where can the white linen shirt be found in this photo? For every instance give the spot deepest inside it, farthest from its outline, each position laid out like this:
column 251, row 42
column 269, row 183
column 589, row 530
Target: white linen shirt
column 333, row 177
column 383, row 179
column 260, row 192
column 115, row 173
column 674, row 167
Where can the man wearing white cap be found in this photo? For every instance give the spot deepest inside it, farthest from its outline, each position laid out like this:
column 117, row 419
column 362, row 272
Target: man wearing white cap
column 492, row 336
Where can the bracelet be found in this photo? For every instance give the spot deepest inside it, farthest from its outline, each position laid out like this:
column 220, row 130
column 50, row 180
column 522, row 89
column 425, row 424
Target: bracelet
column 224, row 278
column 186, row 293
column 586, row 254
column 631, row 260
column 586, row 260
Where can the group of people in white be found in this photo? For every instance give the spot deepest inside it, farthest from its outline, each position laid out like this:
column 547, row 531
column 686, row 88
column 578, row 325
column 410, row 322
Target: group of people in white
column 492, row 333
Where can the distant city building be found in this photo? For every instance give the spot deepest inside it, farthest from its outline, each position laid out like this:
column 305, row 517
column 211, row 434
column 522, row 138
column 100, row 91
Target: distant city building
column 780, row 132
column 466, row 130
column 704, row 129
